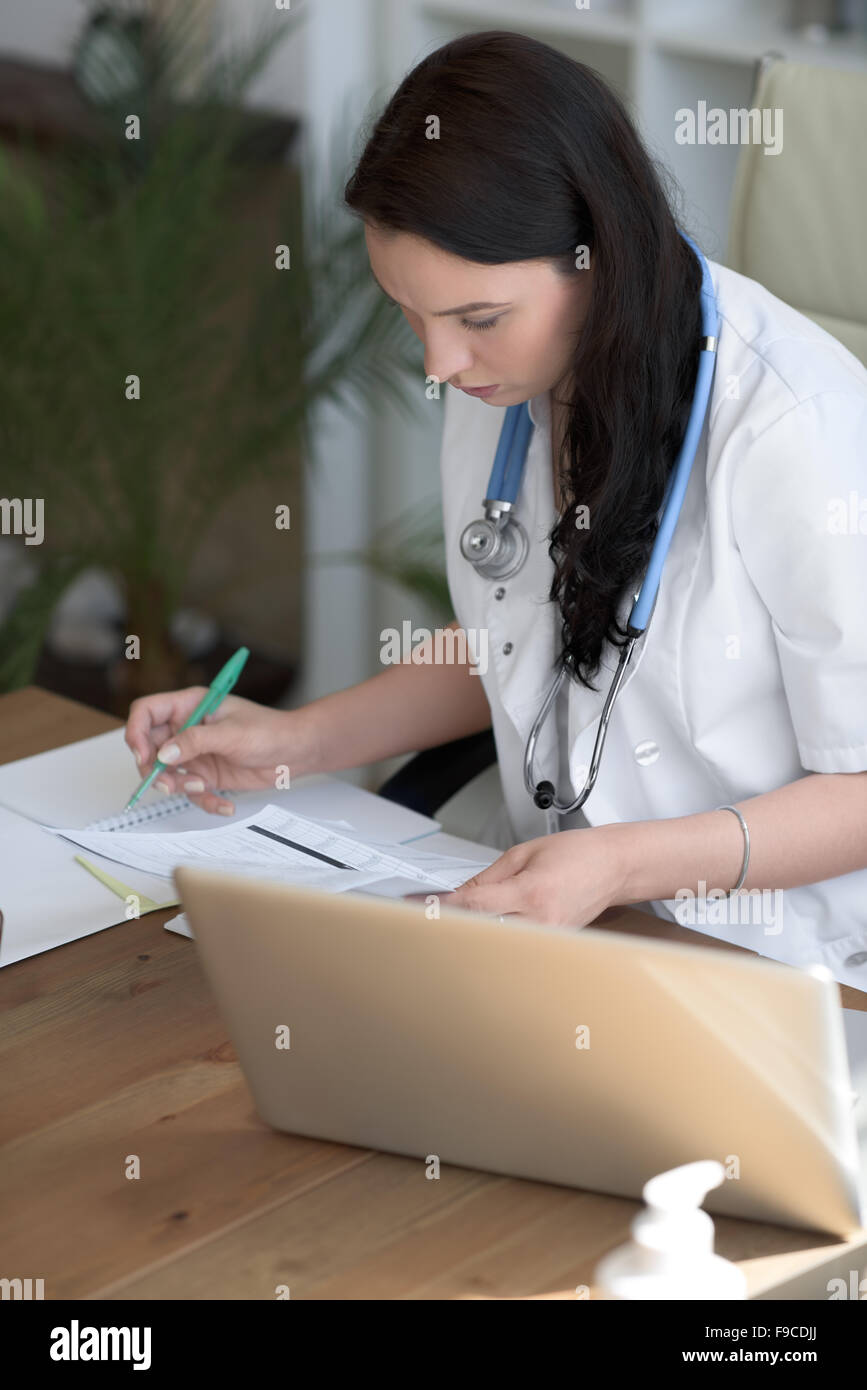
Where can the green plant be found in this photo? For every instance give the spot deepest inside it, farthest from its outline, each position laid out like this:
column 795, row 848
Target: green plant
column 409, row 552
column 122, row 269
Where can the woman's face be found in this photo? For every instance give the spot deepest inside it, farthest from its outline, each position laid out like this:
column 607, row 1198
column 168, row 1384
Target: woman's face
column 511, row 326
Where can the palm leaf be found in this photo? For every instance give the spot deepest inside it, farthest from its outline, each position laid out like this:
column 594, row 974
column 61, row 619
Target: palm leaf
column 22, row 633
column 120, row 271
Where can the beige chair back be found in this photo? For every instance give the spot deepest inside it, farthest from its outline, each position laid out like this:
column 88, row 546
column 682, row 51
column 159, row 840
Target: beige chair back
column 799, row 218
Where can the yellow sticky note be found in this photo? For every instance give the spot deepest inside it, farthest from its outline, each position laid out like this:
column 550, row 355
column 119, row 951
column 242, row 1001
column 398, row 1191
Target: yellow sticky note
column 146, row 904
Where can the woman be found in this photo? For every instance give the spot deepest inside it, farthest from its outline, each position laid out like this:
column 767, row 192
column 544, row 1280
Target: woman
column 512, row 213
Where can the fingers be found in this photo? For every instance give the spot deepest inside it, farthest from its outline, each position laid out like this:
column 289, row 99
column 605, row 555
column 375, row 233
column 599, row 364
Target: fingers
column 497, row 889
column 157, row 735
column 475, row 893
column 151, row 731
column 508, row 864
column 212, row 802
column 152, row 718
column 197, row 791
column 494, row 898
column 445, row 896
column 228, row 705
column 470, row 899
column 180, row 749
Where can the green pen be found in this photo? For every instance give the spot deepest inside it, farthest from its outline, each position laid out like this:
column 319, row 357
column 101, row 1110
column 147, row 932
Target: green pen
column 218, row 689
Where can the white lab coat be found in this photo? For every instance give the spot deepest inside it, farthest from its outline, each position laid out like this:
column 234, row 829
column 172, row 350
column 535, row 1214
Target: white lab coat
column 753, row 671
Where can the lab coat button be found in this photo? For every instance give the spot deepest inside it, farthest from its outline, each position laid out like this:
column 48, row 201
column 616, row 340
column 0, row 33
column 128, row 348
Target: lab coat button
column 499, row 593
column 646, row 752
column 507, row 648
column 859, row 958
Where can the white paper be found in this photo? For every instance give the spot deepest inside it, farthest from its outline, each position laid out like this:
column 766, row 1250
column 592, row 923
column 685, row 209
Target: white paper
column 77, row 783
column 451, row 870
column 48, row 899
column 276, row 843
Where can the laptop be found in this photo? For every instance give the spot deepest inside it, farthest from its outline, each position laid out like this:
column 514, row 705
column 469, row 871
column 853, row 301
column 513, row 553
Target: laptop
column 589, row 1058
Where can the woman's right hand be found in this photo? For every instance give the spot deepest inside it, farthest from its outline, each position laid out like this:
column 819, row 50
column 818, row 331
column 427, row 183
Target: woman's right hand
column 242, row 746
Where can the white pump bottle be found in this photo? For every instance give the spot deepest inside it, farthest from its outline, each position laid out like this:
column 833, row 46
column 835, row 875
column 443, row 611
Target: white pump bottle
column 671, row 1252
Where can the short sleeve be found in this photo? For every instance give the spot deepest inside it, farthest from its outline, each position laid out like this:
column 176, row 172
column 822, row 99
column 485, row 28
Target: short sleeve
column 799, row 517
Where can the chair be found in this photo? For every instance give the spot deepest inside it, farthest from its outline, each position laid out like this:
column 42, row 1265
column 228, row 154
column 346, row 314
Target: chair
column 797, row 222
column 432, row 778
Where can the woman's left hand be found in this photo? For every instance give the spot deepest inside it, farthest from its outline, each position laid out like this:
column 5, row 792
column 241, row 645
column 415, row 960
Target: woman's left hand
column 565, row 879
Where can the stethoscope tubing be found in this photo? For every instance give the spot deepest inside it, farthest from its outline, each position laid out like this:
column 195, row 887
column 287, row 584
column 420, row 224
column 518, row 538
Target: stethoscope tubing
column 503, row 485
column 674, row 494
column 505, row 479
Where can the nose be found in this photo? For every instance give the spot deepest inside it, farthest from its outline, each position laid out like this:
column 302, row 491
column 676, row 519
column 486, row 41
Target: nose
column 446, row 359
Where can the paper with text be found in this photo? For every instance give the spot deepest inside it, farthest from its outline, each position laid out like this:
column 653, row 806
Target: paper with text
column 276, row 844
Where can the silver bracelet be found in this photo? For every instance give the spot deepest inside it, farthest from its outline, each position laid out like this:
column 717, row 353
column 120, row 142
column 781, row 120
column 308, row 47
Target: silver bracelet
column 746, row 862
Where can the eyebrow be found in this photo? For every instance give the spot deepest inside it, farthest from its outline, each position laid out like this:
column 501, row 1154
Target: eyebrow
column 444, row 313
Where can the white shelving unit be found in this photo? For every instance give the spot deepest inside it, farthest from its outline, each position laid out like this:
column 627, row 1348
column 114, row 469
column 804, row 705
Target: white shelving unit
column 659, row 55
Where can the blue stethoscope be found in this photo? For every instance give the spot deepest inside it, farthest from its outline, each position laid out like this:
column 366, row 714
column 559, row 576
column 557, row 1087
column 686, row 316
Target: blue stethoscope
column 497, row 546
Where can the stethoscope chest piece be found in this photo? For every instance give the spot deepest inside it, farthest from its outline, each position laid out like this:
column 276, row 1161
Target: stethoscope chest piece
column 496, row 546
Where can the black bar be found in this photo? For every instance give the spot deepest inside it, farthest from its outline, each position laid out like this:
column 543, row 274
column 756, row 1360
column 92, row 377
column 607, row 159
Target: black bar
column 664, row 1333
column 303, row 848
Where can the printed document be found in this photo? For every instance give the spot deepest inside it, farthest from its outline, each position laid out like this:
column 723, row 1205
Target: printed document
column 276, row 844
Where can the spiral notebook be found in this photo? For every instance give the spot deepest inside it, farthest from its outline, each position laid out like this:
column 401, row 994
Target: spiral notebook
column 143, row 814
column 87, row 784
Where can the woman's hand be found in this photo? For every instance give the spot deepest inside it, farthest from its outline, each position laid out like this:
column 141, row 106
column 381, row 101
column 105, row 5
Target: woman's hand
column 566, row 879
column 242, row 746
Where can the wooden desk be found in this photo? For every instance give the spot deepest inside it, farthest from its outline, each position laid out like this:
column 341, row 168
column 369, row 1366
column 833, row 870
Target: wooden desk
column 112, row 1046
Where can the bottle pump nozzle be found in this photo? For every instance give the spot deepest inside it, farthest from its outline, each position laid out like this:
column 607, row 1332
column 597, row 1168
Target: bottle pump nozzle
column 671, row 1252
column 674, row 1221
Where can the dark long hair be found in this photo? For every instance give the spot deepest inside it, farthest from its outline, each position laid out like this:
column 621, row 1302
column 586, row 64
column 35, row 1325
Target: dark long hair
column 536, row 157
